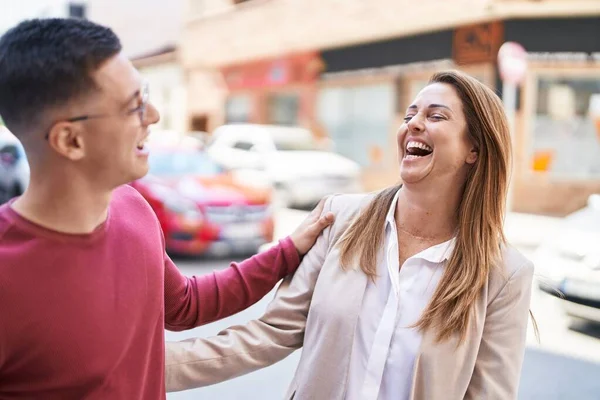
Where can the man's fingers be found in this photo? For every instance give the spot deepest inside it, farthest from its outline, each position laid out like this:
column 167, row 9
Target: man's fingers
column 319, row 208
column 322, row 223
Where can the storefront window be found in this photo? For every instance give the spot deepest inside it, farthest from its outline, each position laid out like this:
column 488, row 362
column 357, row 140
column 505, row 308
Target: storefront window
column 238, row 109
column 359, row 120
column 566, row 127
column 283, row 109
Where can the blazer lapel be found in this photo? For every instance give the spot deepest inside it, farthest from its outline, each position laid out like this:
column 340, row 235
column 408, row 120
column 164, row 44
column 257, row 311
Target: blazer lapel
column 354, row 286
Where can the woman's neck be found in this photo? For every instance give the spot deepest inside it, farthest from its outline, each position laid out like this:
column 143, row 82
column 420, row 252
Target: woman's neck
column 428, row 213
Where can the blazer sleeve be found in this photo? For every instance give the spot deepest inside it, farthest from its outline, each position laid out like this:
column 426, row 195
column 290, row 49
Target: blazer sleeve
column 239, row 350
column 498, row 366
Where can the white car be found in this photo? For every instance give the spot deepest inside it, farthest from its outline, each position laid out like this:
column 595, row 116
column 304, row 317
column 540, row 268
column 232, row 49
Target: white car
column 569, row 262
column 14, row 168
column 301, row 170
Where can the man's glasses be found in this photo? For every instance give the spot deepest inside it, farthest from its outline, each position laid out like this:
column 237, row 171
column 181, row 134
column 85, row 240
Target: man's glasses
column 144, row 95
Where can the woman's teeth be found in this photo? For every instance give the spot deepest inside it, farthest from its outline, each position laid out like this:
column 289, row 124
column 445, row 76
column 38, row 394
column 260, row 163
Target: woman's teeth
column 417, row 149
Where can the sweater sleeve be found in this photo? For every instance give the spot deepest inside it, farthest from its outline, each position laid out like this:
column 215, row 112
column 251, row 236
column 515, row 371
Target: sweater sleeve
column 195, row 301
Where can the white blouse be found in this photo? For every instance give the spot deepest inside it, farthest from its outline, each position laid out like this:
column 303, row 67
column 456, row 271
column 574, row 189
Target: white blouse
column 385, row 347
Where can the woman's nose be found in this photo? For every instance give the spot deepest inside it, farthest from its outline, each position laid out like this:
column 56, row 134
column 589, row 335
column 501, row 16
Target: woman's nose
column 416, row 124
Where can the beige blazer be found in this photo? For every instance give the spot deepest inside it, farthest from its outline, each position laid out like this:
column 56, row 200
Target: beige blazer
column 318, row 309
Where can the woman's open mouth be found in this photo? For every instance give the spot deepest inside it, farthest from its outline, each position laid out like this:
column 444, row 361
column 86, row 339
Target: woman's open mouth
column 416, row 150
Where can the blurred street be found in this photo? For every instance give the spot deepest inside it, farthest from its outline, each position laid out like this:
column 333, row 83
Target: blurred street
column 564, row 365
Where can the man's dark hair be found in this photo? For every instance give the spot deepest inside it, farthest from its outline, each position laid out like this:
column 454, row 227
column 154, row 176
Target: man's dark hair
column 47, row 63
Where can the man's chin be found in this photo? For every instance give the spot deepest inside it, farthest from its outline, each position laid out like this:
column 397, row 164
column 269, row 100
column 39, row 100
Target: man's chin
column 139, row 175
column 134, row 175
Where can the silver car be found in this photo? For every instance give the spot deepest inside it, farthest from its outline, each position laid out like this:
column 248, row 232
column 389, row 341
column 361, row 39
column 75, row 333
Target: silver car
column 569, row 262
column 301, row 168
column 14, row 168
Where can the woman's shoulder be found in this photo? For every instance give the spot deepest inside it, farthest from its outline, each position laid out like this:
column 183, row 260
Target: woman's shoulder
column 348, row 204
column 345, row 208
column 513, row 266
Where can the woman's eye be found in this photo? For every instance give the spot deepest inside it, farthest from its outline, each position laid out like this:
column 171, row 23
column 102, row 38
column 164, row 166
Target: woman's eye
column 437, row 117
column 407, row 118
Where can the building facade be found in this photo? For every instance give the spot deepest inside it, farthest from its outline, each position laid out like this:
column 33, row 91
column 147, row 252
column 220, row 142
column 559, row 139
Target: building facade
column 349, row 69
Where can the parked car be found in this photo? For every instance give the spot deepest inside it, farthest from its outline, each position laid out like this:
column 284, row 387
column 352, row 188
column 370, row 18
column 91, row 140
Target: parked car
column 301, row 172
column 569, row 262
column 202, row 208
column 14, row 168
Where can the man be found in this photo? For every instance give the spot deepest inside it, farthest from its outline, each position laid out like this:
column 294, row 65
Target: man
column 86, row 287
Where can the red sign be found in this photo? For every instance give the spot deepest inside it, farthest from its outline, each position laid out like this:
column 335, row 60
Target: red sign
column 512, row 62
column 299, row 68
column 478, row 43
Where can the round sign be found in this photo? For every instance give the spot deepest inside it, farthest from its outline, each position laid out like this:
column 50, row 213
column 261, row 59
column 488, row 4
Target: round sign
column 512, row 62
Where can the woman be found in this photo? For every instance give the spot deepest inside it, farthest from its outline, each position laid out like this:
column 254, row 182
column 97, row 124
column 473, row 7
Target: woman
column 413, row 292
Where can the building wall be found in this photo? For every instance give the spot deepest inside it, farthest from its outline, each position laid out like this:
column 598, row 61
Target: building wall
column 206, row 97
column 218, row 35
column 143, row 25
column 368, row 51
column 558, row 151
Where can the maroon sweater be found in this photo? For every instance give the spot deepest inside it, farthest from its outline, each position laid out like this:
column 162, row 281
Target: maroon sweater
column 83, row 316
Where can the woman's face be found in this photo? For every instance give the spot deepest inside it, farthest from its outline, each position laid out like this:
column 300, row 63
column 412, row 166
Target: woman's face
column 433, row 142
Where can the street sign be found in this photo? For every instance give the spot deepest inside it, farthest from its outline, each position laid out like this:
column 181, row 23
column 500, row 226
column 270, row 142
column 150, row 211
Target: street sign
column 512, row 62
column 512, row 65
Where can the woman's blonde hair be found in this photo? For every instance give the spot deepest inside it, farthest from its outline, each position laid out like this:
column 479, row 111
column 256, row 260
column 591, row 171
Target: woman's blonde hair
column 480, row 214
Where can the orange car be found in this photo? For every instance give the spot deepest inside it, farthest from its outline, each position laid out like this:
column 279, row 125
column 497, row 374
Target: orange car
column 203, row 208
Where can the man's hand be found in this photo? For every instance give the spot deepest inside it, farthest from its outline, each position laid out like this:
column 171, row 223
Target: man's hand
column 305, row 235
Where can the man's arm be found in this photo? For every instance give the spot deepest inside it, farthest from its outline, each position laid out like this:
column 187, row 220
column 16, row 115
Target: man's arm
column 498, row 367
column 190, row 302
column 242, row 349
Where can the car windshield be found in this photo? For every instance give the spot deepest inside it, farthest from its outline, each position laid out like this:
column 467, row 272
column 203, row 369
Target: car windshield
column 182, row 163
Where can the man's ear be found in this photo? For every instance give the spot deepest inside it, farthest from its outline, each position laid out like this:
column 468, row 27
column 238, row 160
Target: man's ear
column 66, row 139
column 472, row 156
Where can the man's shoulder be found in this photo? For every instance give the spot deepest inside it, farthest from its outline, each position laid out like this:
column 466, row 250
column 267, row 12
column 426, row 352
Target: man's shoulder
column 128, row 197
column 127, row 194
column 127, row 201
column 6, row 220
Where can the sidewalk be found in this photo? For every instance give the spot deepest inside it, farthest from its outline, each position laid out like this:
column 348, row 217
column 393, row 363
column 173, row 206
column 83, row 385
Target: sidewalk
column 529, row 230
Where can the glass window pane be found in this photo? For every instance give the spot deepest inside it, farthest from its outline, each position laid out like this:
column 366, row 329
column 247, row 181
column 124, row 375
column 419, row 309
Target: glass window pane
column 283, row 109
column 238, row 109
column 359, row 120
column 566, row 127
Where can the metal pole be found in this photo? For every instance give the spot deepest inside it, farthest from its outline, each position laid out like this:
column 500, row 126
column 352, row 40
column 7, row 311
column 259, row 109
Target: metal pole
column 509, row 98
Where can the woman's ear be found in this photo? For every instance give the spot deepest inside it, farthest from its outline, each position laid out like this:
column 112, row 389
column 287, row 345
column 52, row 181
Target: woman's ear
column 472, row 156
